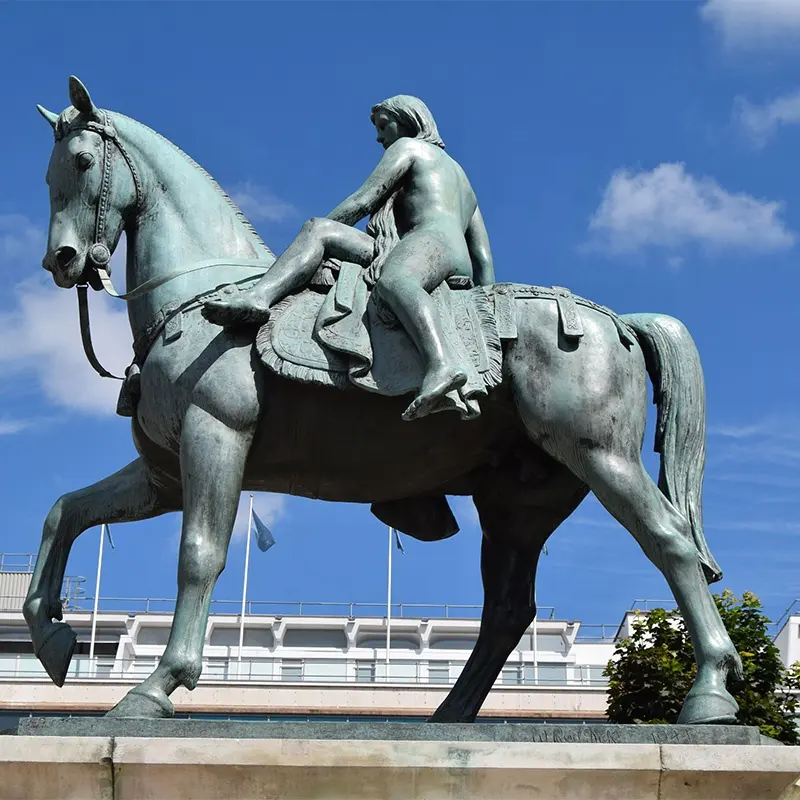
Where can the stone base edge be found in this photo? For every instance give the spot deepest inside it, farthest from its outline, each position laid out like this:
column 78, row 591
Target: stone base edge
column 76, row 768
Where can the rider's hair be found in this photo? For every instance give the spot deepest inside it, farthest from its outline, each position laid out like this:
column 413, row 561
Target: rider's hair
column 416, row 117
column 413, row 115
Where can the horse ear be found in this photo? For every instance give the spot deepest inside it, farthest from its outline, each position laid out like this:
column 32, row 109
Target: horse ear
column 79, row 97
column 48, row 115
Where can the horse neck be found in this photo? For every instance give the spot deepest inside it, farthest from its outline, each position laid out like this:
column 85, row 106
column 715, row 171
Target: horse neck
column 186, row 218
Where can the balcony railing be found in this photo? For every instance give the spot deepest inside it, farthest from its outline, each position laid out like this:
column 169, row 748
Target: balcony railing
column 26, row 668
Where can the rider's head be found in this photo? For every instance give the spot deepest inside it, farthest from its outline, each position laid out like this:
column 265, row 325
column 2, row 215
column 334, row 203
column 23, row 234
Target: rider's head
column 404, row 116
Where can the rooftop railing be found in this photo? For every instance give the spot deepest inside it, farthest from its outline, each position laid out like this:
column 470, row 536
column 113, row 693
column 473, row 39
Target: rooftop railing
column 17, row 562
column 299, row 608
column 24, row 667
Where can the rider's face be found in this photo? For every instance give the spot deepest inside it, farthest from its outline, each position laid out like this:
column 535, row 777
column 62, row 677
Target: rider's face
column 388, row 128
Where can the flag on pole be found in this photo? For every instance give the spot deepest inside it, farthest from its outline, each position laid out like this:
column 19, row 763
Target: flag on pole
column 398, row 542
column 264, row 537
column 110, row 540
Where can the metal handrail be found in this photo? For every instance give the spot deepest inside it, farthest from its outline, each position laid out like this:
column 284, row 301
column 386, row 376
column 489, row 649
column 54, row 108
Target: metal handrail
column 353, row 671
column 26, row 562
column 786, row 614
column 648, row 605
column 300, row 608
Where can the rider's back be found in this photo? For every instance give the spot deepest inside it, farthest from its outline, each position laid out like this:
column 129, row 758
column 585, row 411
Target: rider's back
column 435, row 192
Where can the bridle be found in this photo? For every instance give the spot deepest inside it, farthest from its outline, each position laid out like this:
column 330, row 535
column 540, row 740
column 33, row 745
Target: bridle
column 99, row 253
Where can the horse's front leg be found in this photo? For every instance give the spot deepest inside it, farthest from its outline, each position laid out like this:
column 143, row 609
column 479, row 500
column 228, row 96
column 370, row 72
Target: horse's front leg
column 128, row 495
column 213, row 456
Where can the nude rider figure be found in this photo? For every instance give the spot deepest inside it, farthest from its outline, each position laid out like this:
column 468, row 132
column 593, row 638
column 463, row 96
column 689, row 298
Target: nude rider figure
column 425, row 227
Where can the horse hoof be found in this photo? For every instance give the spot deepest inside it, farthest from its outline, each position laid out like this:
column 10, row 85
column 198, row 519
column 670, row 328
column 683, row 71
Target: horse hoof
column 143, row 705
column 708, row 708
column 56, row 652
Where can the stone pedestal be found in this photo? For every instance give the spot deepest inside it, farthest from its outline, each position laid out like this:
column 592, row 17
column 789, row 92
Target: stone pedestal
column 375, row 761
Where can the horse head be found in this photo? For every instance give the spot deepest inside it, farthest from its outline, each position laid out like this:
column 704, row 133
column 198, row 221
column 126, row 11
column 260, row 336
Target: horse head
column 90, row 200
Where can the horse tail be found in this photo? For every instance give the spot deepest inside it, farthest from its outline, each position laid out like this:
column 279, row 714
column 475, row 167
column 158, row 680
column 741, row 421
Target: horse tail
column 679, row 393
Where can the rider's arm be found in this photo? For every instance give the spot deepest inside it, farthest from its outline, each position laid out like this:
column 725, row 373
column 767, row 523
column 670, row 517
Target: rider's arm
column 378, row 187
column 481, row 254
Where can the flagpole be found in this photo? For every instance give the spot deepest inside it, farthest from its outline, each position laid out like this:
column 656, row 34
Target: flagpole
column 244, row 583
column 96, row 599
column 389, row 602
column 535, row 639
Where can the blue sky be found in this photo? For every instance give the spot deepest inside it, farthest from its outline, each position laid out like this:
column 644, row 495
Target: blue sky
column 641, row 153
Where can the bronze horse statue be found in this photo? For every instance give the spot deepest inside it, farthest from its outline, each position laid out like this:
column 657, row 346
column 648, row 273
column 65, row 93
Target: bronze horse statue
column 212, row 420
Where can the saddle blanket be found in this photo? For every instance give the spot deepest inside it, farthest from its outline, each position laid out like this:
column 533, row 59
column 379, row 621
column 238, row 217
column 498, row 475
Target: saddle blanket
column 347, row 338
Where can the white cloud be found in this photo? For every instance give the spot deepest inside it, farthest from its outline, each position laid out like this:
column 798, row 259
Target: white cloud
column 756, row 462
column 667, row 207
column 21, row 242
column 760, row 123
column 40, row 340
column 269, row 507
column 676, row 262
column 754, row 23
column 40, row 337
column 10, row 426
column 258, row 203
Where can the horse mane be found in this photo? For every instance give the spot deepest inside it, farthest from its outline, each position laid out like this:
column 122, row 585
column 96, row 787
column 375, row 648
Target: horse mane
column 210, row 178
column 68, row 118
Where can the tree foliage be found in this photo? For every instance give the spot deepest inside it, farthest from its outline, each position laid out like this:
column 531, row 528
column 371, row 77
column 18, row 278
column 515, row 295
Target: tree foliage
column 652, row 671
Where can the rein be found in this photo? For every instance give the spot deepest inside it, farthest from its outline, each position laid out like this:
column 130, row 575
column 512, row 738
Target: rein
column 100, row 255
column 141, row 290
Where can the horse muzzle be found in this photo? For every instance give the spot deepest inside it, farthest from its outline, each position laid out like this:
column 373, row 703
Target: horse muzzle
column 69, row 268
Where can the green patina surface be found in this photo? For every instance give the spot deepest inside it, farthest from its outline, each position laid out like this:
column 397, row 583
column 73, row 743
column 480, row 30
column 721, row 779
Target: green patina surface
column 565, row 416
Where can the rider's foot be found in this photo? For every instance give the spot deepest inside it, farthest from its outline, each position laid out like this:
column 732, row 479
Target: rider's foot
column 435, row 386
column 246, row 308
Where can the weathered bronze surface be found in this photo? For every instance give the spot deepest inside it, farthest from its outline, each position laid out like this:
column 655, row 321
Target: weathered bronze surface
column 562, row 380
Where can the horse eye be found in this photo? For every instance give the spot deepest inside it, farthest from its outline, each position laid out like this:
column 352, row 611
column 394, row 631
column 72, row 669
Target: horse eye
column 84, row 160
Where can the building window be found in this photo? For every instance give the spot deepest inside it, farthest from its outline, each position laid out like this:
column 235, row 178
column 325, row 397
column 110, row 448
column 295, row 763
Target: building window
column 143, row 666
column 552, row 674
column 292, row 671
column 315, row 637
column 103, row 669
column 216, row 669
column 365, row 672
column 511, row 675
column 439, row 671
column 594, row 675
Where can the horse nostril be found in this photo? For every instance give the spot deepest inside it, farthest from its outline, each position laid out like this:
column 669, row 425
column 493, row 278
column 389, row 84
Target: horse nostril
column 64, row 255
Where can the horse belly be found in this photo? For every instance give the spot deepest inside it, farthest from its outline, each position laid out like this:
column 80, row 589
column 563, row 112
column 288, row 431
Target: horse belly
column 353, row 446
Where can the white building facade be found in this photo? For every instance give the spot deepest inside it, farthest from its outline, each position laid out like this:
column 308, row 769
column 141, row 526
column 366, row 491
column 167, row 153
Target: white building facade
column 313, row 660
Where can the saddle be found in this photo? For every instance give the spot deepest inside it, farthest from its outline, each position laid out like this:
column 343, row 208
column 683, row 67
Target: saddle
column 343, row 336
column 337, row 333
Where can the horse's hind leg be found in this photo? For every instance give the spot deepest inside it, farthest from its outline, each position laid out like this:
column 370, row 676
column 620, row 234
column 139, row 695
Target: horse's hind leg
column 128, row 495
column 623, row 486
column 213, row 456
column 513, row 537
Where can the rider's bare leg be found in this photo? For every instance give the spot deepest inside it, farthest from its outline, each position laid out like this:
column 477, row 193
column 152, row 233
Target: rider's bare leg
column 319, row 238
column 408, row 276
